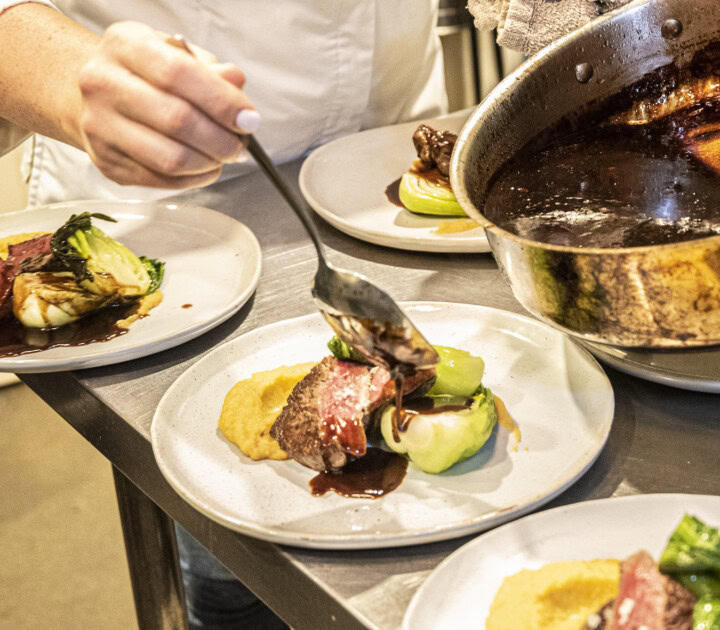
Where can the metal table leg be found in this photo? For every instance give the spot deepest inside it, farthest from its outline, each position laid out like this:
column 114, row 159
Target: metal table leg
column 152, row 557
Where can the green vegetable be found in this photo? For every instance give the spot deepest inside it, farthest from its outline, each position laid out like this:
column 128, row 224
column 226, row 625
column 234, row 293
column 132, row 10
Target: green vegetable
column 345, row 352
column 49, row 299
column 156, row 271
column 693, row 547
column 702, row 585
column 423, row 196
column 436, row 441
column 706, row 615
column 101, row 264
column 458, row 374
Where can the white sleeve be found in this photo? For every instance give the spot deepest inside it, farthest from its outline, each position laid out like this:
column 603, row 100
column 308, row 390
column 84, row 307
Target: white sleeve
column 10, row 134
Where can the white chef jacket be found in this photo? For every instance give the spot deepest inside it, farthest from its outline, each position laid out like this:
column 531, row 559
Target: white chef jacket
column 315, row 70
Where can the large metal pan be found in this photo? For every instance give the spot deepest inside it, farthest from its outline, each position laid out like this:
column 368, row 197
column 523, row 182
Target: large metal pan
column 658, row 296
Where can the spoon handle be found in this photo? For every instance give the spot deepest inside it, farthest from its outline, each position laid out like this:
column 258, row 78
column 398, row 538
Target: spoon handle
column 265, row 163
column 301, row 211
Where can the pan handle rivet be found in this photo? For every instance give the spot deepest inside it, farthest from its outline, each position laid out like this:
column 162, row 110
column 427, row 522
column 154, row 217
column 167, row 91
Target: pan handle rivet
column 671, row 29
column 584, row 72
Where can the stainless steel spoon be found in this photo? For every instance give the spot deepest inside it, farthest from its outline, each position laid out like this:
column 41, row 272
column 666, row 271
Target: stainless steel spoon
column 361, row 314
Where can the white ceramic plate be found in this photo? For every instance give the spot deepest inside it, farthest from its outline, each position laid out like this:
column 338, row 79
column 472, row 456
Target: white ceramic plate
column 556, row 391
column 696, row 369
column 211, row 262
column 458, row 593
column 345, row 181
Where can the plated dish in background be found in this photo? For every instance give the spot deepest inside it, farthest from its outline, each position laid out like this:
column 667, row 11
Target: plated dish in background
column 212, row 265
column 345, row 181
column 72, row 287
column 460, row 591
column 536, row 371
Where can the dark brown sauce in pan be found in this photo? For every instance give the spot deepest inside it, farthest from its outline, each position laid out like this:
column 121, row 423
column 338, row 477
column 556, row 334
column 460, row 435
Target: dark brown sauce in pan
column 640, row 168
column 369, row 477
column 17, row 340
column 605, row 188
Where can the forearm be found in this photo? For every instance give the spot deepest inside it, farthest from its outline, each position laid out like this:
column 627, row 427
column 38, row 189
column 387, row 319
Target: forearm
column 41, row 53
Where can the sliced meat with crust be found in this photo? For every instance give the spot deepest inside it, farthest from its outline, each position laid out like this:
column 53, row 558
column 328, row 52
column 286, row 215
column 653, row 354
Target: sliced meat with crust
column 641, row 598
column 323, row 424
column 31, row 255
column 648, row 599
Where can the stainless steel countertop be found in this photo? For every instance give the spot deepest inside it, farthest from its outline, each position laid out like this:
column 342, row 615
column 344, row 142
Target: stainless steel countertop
column 662, row 440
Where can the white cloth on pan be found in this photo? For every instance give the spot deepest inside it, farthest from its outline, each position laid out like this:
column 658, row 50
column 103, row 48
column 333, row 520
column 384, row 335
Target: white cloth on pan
column 529, row 25
column 316, row 70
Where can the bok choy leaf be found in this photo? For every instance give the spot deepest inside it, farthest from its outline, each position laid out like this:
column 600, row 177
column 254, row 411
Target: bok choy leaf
column 102, row 265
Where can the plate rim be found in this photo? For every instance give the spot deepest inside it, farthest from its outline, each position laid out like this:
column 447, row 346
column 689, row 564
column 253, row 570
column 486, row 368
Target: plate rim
column 531, row 518
column 422, row 243
column 662, row 376
column 34, row 363
column 372, row 540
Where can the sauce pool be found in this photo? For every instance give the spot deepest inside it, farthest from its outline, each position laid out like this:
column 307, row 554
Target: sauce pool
column 16, row 340
column 369, row 477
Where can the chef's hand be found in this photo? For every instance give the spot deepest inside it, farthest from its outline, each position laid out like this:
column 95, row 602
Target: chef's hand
column 154, row 115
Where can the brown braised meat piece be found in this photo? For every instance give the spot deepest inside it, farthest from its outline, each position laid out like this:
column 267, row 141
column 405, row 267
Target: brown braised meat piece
column 646, row 599
column 434, row 148
column 323, row 424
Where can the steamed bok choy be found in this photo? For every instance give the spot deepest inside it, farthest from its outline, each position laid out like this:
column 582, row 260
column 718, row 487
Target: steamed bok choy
column 90, row 270
column 458, row 422
column 47, row 298
column 440, row 439
column 426, row 196
column 101, row 264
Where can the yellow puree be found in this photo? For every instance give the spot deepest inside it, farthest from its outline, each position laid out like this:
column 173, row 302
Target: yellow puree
column 252, row 405
column 506, row 422
column 144, row 305
column 558, row 596
column 453, row 226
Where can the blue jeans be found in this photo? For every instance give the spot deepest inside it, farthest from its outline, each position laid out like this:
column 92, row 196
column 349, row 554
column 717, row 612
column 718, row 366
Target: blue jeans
column 216, row 600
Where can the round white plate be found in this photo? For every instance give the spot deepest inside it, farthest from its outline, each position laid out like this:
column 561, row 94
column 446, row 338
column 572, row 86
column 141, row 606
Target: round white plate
column 556, row 391
column 211, row 260
column 696, row 369
column 345, row 180
column 458, row 593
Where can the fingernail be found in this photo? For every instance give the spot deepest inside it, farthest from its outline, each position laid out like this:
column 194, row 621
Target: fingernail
column 242, row 157
column 248, row 120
